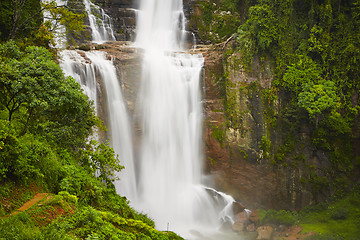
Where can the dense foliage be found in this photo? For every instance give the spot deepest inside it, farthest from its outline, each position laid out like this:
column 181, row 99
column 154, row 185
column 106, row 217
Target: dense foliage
column 24, row 21
column 22, row 14
column 45, row 124
column 41, row 111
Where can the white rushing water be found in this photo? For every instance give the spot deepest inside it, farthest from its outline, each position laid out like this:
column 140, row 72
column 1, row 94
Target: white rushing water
column 170, row 165
column 100, row 23
column 118, row 123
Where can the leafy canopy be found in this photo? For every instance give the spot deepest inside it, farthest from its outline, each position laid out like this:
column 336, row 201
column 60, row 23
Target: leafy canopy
column 35, row 91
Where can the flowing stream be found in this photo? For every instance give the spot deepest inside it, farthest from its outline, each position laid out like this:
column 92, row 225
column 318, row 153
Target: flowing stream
column 165, row 180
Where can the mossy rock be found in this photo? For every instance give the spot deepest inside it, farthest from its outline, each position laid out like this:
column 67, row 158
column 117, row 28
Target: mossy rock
column 84, row 47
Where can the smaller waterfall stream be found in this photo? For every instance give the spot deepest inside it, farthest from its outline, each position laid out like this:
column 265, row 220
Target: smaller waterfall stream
column 77, row 67
column 118, row 124
column 100, row 23
column 87, row 70
column 92, row 68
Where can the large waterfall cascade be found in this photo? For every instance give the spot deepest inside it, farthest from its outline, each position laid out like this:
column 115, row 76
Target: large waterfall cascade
column 170, row 165
column 164, row 180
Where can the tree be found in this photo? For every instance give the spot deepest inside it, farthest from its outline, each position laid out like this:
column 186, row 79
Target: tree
column 24, row 19
column 100, row 159
column 14, row 13
column 34, row 86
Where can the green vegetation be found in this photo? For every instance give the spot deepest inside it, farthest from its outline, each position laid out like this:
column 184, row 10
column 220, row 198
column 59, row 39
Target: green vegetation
column 45, row 121
column 217, row 21
column 336, row 219
column 23, row 21
column 62, row 217
column 219, row 134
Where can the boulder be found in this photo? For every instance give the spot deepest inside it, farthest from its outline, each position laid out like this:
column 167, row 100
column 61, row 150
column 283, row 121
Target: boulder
column 264, row 232
column 238, row 227
column 250, row 227
column 241, row 217
column 254, row 216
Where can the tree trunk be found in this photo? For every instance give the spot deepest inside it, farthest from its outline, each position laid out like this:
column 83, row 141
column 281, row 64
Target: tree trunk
column 27, row 122
column 18, row 6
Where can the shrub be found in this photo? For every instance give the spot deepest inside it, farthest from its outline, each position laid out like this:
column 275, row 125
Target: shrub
column 339, row 213
column 281, row 217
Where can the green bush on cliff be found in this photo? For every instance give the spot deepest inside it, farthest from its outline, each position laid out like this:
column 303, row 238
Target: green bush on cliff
column 216, row 20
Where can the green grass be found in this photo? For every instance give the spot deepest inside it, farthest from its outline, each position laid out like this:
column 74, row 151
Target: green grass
column 63, row 217
column 337, row 219
column 340, row 218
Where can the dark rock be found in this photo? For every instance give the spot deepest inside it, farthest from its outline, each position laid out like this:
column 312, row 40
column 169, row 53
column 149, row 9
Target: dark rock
column 123, row 17
column 241, row 217
column 238, row 207
column 84, row 47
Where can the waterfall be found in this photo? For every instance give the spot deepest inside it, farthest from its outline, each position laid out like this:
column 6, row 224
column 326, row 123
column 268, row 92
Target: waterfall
column 170, row 164
column 100, row 23
column 74, row 65
column 118, row 123
column 165, row 179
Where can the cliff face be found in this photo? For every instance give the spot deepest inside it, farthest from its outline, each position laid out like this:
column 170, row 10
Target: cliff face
column 240, row 139
column 262, row 148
